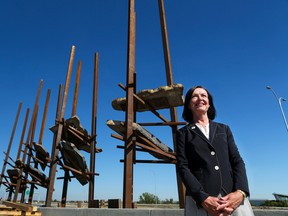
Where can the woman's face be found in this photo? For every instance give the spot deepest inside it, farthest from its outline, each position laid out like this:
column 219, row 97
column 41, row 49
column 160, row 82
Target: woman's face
column 199, row 102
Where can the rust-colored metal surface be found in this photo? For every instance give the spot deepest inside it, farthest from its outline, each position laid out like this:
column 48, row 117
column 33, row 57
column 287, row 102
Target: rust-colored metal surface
column 10, row 142
column 129, row 118
column 70, row 137
column 130, row 138
column 76, row 90
column 52, row 172
column 42, row 181
column 169, row 77
column 29, row 139
column 93, row 133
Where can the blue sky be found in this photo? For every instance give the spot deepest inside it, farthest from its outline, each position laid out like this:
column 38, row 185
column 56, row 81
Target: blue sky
column 233, row 48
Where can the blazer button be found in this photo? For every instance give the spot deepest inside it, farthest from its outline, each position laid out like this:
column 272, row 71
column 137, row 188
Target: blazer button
column 212, row 153
column 216, row 167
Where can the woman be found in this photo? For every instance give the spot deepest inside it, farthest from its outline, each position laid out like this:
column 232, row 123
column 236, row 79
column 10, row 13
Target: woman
column 209, row 162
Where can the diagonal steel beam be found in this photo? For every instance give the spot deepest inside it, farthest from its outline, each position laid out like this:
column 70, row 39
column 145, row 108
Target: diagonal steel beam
column 169, row 77
column 52, row 172
column 10, row 142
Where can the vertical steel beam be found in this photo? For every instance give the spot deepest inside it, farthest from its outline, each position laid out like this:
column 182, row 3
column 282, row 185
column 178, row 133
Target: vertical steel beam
column 29, row 149
column 169, row 77
column 129, row 119
column 65, row 188
column 32, row 187
column 10, row 142
column 28, row 140
column 74, row 108
column 76, row 90
column 23, row 133
column 165, row 42
column 44, row 117
column 19, row 181
column 52, row 172
column 93, row 133
column 58, row 113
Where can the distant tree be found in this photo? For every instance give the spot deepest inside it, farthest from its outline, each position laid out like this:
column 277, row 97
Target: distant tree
column 148, row 198
column 168, row 201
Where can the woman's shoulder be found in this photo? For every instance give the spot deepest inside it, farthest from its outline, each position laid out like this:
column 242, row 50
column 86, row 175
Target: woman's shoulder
column 185, row 127
column 219, row 124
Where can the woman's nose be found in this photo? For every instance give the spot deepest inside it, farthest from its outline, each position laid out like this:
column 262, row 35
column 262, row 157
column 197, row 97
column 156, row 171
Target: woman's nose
column 201, row 97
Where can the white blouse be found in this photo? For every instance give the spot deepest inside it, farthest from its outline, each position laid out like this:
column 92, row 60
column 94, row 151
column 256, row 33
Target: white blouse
column 204, row 129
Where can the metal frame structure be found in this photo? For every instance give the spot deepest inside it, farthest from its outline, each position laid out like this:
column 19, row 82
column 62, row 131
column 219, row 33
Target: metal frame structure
column 59, row 136
column 23, row 172
column 130, row 112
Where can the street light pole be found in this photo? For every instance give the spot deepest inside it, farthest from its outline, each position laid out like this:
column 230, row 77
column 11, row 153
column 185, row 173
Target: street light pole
column 279, row 100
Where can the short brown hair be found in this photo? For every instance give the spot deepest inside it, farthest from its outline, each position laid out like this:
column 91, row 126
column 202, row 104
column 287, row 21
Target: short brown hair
column 187, row 114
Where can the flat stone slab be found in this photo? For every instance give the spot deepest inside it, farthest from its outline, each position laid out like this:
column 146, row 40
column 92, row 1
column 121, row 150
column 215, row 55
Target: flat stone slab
column 141, row 135
column 75, row 133
column 42, row 155
column 160, row 98
column 74, row 159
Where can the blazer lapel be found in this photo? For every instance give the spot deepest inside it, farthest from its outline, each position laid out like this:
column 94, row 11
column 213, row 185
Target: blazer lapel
column 212, row 132
column 197, row 131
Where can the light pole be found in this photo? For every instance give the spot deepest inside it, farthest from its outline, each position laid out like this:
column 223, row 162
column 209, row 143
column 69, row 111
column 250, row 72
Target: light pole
column 279, row 100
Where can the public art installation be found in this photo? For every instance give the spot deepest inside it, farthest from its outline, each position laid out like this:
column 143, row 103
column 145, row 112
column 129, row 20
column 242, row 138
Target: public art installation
column 134, row 135
column 70, row 138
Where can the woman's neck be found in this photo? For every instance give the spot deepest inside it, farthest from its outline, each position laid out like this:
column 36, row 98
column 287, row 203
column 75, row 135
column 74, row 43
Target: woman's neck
column 203, row 120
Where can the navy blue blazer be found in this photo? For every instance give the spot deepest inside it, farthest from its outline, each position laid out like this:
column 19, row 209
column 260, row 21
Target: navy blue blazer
column 208, row 167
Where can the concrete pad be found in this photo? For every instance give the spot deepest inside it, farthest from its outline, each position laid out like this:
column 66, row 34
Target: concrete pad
column 138, row 212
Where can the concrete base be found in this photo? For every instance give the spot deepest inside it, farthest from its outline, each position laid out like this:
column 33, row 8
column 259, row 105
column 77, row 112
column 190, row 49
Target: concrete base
column 138, row 212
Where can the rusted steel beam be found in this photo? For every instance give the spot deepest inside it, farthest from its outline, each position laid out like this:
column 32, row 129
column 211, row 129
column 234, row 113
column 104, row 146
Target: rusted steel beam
column 32, row 187
column 74, row 108
column 160, row 152
column 116, row 136
column 20, row 148
column 129, row 118
column 44, row 116
column 28, row 149
column 52, row 172
column 54, row 146
column 169, row 77
column 19, row 181
column 30, row 137
column 140, row 149
column 73, row 169
column 93, row 132
column 23, row 133
column 65, row 187
column 165, row 42
column 153, row 161
column 33, row 121
column 10, row 142
column 162, row 123
column 76, row 90
column 57, row 117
